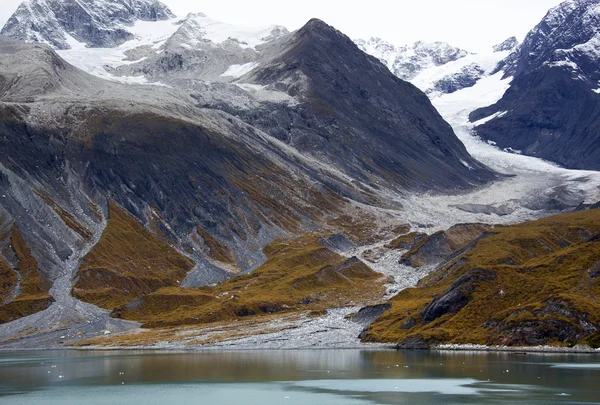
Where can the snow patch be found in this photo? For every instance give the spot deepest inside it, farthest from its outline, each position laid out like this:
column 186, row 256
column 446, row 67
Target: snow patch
column 199, row 28
column 482, row 121
column 487, row 62
column 563, row 63
column 239, row 70
column 465, row 164
column 99, row 61
column 263, row 94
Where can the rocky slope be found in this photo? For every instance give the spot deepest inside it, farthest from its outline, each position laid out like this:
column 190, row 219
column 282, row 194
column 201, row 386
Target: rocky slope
column 551, row 109
column 63, row 23
column 342, row 97
column 534, row 283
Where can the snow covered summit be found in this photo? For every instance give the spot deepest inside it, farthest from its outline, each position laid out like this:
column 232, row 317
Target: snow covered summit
column 408, row 61
column 436, row 68
column 64, row 24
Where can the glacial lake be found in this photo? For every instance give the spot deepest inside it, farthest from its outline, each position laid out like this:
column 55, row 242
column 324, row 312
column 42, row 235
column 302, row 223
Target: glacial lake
column 323, row 377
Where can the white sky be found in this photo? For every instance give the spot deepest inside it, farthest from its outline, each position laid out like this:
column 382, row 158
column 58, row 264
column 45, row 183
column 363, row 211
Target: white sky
column 470, row 24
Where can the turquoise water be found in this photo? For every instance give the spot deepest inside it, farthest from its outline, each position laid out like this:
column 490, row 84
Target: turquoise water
column 328, row 377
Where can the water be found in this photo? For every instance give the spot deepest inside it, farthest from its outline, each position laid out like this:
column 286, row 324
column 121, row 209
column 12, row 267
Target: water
column 324, row 377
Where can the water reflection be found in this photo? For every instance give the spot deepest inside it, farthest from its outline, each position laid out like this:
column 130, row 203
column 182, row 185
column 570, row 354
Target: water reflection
column 381, row 377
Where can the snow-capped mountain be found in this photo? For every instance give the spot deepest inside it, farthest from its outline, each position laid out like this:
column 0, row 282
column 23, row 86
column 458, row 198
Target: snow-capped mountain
column 66, row 23
column 569, row 35
column 148, row 49
column 509, row 44
column 408, row 61
column 436, row 68
column 239, row 136
column 216, row 169
column 551, row 109
column 203, row 48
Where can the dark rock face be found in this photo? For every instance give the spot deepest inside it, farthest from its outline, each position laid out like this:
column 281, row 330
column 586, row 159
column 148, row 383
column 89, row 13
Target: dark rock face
column 549, row 115
column 96, row 23
column 571, row 23
column 552, row 107
column 367, row 315
column 557, row 321
column 354, row 108
column 467, row 77
column 435, row 248
column 457, row 296
column 414, row 343
column 337, row 242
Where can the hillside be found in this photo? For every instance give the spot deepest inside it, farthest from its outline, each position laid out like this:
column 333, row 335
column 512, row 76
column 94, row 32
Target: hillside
column 534, row 283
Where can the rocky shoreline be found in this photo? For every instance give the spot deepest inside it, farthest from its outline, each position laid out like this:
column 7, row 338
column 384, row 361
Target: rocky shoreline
column 578, row 349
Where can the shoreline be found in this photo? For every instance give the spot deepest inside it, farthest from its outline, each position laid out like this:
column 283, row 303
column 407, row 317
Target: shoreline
column 369, row 347
column 578, row 349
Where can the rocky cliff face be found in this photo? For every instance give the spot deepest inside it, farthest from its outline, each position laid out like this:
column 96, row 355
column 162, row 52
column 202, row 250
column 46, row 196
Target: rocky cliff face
column 551, row 109
column 62, row 23
column 510, row 44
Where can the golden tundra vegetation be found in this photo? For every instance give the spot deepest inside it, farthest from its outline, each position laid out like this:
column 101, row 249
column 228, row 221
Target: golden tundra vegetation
column 533, row 283
column 23, row 288
column 299, row 275
column 134, row 273
column 127, row 263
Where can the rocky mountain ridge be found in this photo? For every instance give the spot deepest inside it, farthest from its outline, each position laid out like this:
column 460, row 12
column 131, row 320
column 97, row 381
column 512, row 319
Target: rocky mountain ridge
column 408, row 61
column 437, row 68
column 551, row 109
column 63, row 23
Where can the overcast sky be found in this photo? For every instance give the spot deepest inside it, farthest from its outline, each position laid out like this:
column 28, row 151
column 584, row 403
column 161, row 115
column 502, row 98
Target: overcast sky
column 471, row 24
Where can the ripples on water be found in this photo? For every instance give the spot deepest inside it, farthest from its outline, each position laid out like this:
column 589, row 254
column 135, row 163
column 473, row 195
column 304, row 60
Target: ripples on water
column 325, row 377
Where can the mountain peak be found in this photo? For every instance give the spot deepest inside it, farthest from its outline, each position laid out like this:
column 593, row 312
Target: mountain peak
column 408, row 61
column 96, row 23
column 566, row 35
column 315, row 25
column 506, row 45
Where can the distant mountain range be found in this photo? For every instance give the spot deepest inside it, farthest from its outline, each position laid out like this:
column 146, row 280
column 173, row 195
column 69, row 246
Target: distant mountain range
column 437, row 68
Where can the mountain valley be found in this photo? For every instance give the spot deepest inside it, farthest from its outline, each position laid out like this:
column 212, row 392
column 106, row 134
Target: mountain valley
column 178, row 182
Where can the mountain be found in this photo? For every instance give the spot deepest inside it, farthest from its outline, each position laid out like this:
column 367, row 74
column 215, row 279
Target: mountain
column 120, row 190
column 509, row 44
column 343, row 93
column 552, row 107
column 535, row 283
column 203, row 48
column 437, row 68
column 64, row 23
column 408, row 61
